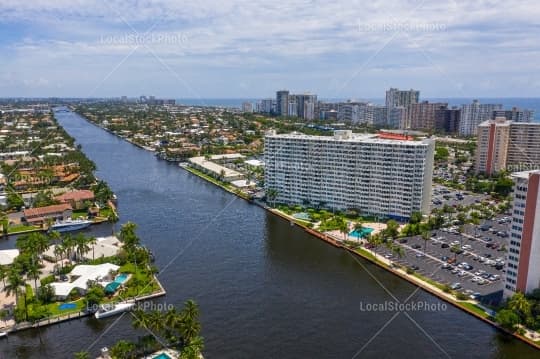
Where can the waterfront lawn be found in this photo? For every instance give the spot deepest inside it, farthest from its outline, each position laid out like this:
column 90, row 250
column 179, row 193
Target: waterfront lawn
column 210, row 178
column 474, row 308
column 21, row 228
column 105, row 212
column 142, row 281
column 38, row 310
column 79, row 213
column 428, row 280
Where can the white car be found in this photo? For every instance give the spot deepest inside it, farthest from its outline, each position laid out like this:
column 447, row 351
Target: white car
column 475, row 279
column 466, row 247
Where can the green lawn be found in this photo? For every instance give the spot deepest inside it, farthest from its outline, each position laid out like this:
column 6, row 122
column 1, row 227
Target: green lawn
column 475, row 309
column 54, row 309
column 21, row 228
column 142, row 281
column 78, row 213
column 209, row 178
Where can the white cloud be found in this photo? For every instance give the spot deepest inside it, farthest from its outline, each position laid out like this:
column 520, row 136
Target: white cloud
column 469, row 41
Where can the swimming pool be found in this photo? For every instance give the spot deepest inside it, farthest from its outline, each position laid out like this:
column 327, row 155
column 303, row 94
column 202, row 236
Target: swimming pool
column 66, row 306
column 121, row 278
column 362, row 233
column 162, row 356
column 118, row 280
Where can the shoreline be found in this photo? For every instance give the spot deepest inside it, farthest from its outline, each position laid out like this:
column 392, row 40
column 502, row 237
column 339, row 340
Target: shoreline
column 99, row 221
column 448, row 298
column 77, row 315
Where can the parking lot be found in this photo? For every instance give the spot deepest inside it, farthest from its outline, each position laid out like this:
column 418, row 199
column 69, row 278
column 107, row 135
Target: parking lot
column 476, row 271
column 443, row 195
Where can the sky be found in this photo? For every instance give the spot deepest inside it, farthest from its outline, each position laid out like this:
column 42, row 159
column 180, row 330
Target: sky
column 250, row 49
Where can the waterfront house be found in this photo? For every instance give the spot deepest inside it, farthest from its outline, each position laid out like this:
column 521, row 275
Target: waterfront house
column 79, row 277
column 76, row 199
column 40, row 215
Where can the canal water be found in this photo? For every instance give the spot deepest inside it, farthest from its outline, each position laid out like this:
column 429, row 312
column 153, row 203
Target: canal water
column 265, row 289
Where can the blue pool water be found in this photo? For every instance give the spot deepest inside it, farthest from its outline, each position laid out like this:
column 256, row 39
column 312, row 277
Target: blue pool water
column 162, row 356
column 362, row 233
column 66, row 306
column 118, row 280
column 121, row 278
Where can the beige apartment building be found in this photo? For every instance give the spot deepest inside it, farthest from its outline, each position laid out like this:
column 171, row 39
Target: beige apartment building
column 507, row 145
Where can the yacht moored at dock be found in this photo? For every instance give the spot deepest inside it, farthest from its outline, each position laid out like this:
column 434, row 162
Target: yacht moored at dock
column 70, row 225
column 107, row 310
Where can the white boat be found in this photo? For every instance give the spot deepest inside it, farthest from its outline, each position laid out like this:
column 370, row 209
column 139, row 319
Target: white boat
column 3, row 334
column 70, row 225
column 107, row 310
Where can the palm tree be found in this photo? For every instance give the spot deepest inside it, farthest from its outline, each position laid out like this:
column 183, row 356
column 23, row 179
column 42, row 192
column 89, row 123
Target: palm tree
column 3, row 274
column 426, row 237
column 59, row 252
column 128, row 236
column 359, row 228
column 39, row 243
column 392, row 229
column 272, row 194
column 344, row 228
column 55, row 236
column 68, row 243
column 398, row 251
column 81, row 246
column 4, row 221
column 33, row 273
column 15, row 282
column 190, row 327
column 91, row 241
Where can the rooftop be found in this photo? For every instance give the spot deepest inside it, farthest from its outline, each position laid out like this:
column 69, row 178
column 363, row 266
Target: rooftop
column 525, row 174
column 348, row 136
column 81, row 195
column 41, row 211
column 214, row 167
column 84, row 273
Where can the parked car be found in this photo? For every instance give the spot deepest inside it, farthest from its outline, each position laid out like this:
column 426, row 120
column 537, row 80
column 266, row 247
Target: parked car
column 455, row 286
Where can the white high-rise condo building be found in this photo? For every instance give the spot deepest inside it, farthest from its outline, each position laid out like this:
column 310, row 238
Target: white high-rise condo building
column 523, row 257
column 381, row 175
column 474, row 114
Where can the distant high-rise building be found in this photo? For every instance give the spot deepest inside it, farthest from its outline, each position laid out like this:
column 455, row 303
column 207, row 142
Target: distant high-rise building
column 401, row 98
column 292, row 110
column 421, row 116
column 522, row 267
column 282, row 102
column 349, row 112
column 524, row 147
column 379, row 116
column 492, row 146
column 327, row 110
column 306, row 106
column 247, row 107
column 474, row 114
column 447, row 120
column 515, row 114
column 396, row 117
column 266, row 106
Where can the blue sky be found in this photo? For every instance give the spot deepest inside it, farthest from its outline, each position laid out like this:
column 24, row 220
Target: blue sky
column 228, row 49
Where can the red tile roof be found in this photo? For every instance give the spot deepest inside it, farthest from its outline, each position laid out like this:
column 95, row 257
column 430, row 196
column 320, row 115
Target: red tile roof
column 81, row 195
column 43, row 211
